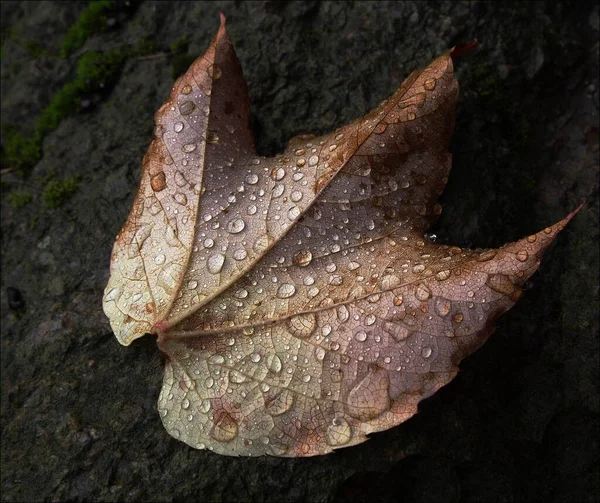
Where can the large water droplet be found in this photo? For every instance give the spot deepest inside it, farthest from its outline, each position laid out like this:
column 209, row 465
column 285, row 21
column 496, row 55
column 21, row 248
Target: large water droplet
column 225, row 428
column 277, row 190
column 339, row 432
column 186, row 107
column 278, row 174
column 442, row 306
column 293, row 213
column 360, row 336
column 342, row 313
column 302, row 325
column 180, row 198
column 429, row 84
column 158, row 182
column 279, row 403
column 302, row 258
column 215, row 263
column 286, row 290
column 274, row 363
column 442, row 275
column 235, row 226
column 422, row 292
column 369, row 398
column 240, row 254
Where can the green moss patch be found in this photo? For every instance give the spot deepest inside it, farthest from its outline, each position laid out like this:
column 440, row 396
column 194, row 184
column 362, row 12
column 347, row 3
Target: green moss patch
column 18, row 199
column 91, row 21
column 58, row 192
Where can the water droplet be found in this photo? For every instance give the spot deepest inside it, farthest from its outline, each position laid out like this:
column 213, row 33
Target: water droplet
column 208, row 243
column 235, row 226
column 187, row 89
column 180, row 180
column 255, row 357
column 192, row 285
column 442, row 306
column 369, row 398
column 252, row 209
column 209, row 382
column 286, row 290
column 486, row 256
column 293, row 213
column 353, row 265
column 274, row 363
column 186, row 107
column 429, row 84
column 339, row 432
column 458, row 317
column 300, row 162
column 426, row 352
column 336, row 280
column 411, row 116
column 308, row 280
column 313, row 160
column 212, row 137
column 296, row 196
column 342, row 313
column 278, row 174
column 302, row 258
column 418, row 268
column 360, row 336
column 302, row 325
column 522, row 256
column 277, row 190
column 189, row 147
column 225, row 428
column 370, row 319
column 422, row 292
column 240, row 254
column 261, row 244
column 113, row 294
column 390, row 281
column 252, row 178
column 216, row 360
column 319, row 353
column 160, row 259
column 215, row 263
column 236, row 377
column 158, row 182
column 214, row 71
column 442, row 275
column 280, row 403
column 242, row 293
column 180, row 198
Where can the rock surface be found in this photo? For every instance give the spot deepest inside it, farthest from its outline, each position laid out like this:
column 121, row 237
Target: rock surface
column 79, row 419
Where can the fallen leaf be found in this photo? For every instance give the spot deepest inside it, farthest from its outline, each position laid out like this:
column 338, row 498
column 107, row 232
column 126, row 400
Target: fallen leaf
column 297, row 302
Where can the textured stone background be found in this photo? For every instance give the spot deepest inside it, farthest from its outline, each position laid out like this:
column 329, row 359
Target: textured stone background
column 519, row 423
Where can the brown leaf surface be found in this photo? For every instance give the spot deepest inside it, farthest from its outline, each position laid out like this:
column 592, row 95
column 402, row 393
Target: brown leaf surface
column 297, row 301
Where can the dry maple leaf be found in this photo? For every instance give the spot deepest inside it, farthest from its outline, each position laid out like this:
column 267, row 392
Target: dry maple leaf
column 296, row 300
